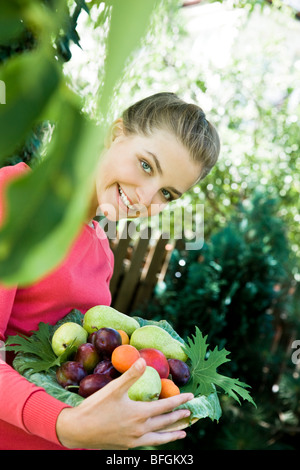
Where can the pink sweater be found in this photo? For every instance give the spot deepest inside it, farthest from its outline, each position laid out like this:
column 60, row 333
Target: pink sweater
column 27, row 413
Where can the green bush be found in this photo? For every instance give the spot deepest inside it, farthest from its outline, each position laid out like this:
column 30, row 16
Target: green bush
column 238, row 288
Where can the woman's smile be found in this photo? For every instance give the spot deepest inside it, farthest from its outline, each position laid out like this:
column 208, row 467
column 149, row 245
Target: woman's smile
column 124, row 198
column 126, row 205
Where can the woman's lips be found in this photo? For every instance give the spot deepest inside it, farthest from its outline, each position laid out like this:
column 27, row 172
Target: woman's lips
column 134, row 210
column 120, row 201
column 127, row 199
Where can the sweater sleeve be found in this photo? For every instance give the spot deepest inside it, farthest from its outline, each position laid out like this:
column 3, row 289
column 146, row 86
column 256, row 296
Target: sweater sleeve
column 27, row 406
column 22, row 404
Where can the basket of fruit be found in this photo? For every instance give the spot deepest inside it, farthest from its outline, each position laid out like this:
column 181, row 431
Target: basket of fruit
column 83, row 353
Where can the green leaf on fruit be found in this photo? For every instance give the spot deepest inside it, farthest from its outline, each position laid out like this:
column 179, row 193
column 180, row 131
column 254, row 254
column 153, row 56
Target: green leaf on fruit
column 204, row 375
column 204, row 407
column 74, row 316
column 38, row 348
column 47, row 380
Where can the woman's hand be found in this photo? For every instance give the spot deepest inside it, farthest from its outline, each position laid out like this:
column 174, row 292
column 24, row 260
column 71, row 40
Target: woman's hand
column 109, row 420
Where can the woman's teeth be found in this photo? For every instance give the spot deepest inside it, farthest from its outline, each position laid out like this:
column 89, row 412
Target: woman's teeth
column 124, row 198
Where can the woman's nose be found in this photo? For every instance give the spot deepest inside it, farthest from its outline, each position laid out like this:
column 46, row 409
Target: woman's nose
column 146, row 194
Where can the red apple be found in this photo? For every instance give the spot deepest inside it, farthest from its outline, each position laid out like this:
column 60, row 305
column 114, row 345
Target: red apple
column 157, row 360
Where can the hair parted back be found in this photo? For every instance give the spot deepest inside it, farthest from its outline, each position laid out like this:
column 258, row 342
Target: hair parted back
column 186, row 121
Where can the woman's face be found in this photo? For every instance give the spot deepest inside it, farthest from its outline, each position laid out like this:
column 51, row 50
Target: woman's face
column 138, row 175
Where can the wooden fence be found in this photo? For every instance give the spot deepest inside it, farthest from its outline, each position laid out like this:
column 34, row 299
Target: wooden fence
column 139, row 265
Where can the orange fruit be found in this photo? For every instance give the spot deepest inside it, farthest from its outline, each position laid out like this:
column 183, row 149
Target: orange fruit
column 124, row 336
column 168, row 388
column 124, row 356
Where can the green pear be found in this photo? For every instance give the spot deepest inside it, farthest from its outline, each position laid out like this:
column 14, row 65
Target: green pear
column 152, row 336
column 147, row 387
column 103, row 316
column 68, row 333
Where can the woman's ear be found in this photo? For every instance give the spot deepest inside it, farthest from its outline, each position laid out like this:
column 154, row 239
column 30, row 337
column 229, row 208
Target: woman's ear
column 115, row 130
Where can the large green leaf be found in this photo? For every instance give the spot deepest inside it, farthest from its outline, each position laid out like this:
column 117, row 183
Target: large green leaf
column 129, row 22
column 31, row 80
column 48, row 205
column 11, row 24
column 203, row 406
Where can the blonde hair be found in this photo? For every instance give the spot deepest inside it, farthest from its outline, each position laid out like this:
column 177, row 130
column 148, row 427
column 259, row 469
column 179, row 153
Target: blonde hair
column 186, row 121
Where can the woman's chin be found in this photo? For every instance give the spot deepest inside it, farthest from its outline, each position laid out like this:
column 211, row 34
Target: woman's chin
column 114, row 213
column 111, row 213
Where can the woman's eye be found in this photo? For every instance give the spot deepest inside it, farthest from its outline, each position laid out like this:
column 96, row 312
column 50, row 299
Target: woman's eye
column 146, row 167
column 166, row 194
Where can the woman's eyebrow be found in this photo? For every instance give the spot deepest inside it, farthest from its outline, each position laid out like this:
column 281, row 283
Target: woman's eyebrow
column 156, row 161
column 157, row 164
column 174, row 190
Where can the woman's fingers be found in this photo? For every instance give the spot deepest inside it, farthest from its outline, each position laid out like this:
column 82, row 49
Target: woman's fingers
column 118, row 388
column 164, row 405
column 160, row 422
column 158, row 407
column 159, row 438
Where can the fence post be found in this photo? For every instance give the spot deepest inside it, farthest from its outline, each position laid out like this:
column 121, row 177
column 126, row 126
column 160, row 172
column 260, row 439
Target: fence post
column 151, row 271
column 119, row 255
column 131, row 277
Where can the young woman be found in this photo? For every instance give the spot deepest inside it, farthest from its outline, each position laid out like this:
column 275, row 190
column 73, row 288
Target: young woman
column 157, row 150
